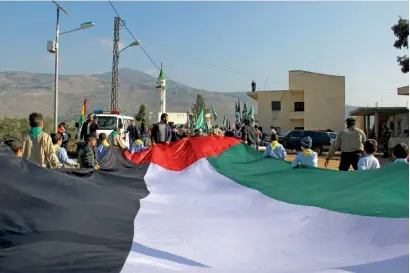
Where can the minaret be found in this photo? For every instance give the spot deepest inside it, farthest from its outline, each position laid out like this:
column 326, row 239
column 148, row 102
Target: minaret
column 162, row 87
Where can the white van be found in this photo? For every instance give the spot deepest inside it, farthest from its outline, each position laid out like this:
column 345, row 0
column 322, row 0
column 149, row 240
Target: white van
column 108, row 121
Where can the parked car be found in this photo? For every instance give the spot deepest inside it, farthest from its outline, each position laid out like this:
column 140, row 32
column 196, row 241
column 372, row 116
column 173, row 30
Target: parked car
column 321, row 140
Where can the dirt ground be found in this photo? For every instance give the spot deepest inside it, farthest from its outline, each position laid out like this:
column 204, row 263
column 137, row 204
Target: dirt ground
column 334, row 162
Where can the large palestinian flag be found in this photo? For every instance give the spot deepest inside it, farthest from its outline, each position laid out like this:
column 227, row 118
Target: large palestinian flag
column 204, row 204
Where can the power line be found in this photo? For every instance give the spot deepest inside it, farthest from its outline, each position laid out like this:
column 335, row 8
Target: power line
column 123, row 23
column 184, row 55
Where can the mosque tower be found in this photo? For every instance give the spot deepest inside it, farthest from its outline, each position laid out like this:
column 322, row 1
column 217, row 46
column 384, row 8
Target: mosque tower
column 162, row 88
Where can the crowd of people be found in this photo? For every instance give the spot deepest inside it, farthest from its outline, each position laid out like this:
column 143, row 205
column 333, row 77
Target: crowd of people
column 356, row 151
column 46, row 150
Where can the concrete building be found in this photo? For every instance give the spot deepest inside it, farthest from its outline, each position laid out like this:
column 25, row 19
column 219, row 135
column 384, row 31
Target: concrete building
column 396, row 118
column 313, row 102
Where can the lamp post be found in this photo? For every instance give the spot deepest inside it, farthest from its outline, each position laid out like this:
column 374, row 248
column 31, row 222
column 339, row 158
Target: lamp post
column 53, row 47
column 115, row 64
column 135, row 43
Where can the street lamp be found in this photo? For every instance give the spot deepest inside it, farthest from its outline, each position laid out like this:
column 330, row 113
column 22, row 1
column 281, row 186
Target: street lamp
column 53, row 47
column 135, row 43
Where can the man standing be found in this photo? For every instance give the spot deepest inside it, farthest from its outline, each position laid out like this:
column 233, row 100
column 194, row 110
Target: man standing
column 350, row 141
column 248, row 134
column 133, row 132
column 161, row 131
column 89, row 127
column 272, row 130
column 253, row 84
column 385, row 137
column 38, row 146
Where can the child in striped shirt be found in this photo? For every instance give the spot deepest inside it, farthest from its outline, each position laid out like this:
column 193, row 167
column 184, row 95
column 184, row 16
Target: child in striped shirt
column 307, row 157
column 274, row 149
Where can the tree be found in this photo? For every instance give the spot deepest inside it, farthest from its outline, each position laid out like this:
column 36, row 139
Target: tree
column 141, row 113
column 401, row 31
column 198, row 105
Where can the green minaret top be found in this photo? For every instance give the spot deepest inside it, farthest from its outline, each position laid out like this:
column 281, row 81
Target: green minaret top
column 161, row 74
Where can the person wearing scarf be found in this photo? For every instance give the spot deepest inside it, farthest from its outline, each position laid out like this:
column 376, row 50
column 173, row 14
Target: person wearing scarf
column 38, row 147
column 61, row 152
column 350, row 142
column 137, row 146
column 275, row 149
column 116, row 140
column 307, row 157
column 102, row 147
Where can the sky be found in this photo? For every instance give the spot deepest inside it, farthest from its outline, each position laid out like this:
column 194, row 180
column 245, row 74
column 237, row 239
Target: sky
column 218, row 46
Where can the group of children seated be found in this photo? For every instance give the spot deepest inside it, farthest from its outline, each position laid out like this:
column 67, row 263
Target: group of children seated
column 136, row 146
column 309, row 158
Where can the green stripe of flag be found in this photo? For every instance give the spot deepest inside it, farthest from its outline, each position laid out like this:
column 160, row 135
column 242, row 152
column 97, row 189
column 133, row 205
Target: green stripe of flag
column 379, row 193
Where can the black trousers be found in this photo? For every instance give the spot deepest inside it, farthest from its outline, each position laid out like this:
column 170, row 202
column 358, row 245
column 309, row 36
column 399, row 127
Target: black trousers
column 349, row 159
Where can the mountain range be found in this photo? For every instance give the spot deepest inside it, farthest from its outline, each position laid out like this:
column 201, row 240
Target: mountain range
column 22, row 93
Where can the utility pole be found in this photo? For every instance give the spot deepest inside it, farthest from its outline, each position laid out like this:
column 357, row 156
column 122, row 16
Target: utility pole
column 56, row 70
column 115, row 61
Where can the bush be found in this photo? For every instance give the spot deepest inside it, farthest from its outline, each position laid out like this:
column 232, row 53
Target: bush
column 19, row 127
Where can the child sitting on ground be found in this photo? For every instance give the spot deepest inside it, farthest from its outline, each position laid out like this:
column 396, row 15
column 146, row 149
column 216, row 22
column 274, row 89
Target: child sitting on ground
column 103, row 146
column 401, row 153
column 369, row 161
column 274, row 149
column 137, row 146
column 16, row 146
column 307, row 157
column 61, row 153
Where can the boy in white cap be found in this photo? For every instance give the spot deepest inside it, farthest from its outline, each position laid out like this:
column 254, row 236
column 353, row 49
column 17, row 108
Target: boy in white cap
column 307, row 157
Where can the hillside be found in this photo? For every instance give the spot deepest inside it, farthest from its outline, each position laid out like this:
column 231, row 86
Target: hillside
column 22, row 93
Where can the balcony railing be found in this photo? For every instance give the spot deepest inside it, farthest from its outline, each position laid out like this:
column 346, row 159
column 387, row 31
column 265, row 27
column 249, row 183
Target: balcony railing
column 296, row 115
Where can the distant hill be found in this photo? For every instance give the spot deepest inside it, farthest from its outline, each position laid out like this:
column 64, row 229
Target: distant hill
column 23, row 92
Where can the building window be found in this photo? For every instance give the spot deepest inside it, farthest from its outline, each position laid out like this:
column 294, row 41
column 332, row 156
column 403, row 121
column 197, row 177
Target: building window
column 276, row 105
column 299, row 106
column 299, row 128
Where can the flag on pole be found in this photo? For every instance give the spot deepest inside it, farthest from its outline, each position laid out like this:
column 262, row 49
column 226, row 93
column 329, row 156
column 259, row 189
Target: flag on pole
column 251, row 114
column 200, row 121
column 244, row 111
column 238, row 121
column 81, row 120
column 224, row 122
column 83, row 111
column 192, row 206
column 214, row 114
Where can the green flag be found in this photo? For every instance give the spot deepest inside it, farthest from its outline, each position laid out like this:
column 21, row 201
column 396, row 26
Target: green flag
column 214, row 114
column 251, row 113
column 224, row 123
column 244, row 111
column 200, row 122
